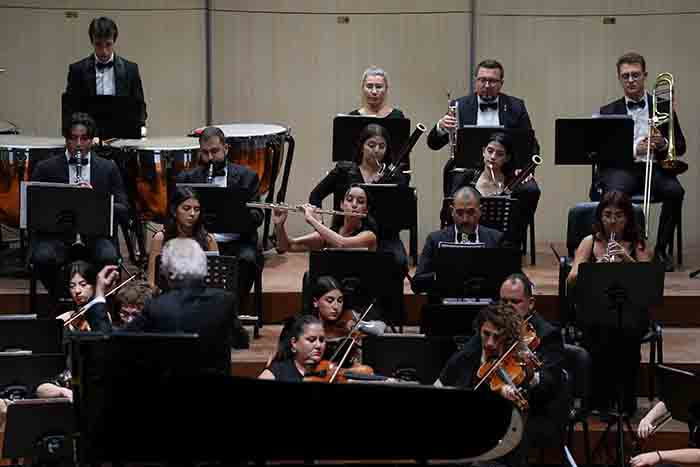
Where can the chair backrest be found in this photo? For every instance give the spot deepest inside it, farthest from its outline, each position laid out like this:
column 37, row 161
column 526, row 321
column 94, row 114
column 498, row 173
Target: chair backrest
column 580, row 223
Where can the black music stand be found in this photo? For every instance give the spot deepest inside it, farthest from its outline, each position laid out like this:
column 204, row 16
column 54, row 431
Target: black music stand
column 347, row 129
column 680, row 390
column 472, row 139
column 25, row 332
column 413, row 357
column 605, row 140
column 22, row 372
column 67, row 209
column 371, row 273
column 617, row 296
column 395, row 208
column 224, row 208
column 464, row 271
column 41, row 429
column 116, row 116
column 452, row 318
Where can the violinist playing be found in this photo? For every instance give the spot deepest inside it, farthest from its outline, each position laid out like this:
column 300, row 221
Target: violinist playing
column 82, row 277
column 301, row 346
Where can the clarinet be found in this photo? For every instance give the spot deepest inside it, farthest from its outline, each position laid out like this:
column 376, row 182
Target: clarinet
column 210, row 175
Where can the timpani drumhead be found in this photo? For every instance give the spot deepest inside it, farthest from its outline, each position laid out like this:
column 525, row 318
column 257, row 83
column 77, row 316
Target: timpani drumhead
column 244, row 130
column 165, row 143
column 30, row 142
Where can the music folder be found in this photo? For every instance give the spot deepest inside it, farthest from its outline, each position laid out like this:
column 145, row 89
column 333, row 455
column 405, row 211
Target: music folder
column 472, row 139
column 115, row 116
column 607, row 140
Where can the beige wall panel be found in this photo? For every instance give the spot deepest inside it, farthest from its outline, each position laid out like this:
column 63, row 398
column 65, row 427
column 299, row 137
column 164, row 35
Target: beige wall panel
column 342, row 6
column 301, row 70
column 589, row 7
column 107, row 4
column 38, row 45
column 565, row 67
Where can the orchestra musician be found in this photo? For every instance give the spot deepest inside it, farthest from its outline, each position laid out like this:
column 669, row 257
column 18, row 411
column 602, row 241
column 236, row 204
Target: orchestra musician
column 50, row 252
column 213, row 149
column 104, row 72
column 614, row 216
column 488, row 106
column 301, row 346
column 496, row 172
column 82, row 278
column 466, row 212
column 355, row 231
column 130, row 301
column 373, row 145
column 497, row 328
column 184, row 220
column 188, row 305
column 375, row 89
column 687, row 456
column 637, row 103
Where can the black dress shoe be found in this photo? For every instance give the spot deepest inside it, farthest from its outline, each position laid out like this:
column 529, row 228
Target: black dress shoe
column 665, row 260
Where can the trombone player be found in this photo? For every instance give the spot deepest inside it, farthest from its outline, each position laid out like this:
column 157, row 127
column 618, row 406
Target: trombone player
column 638, row 103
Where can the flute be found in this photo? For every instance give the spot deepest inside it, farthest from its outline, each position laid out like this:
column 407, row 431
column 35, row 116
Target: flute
column 300, row 208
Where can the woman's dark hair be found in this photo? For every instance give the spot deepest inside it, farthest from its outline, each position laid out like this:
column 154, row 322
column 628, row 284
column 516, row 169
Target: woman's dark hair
column 85, row 269
column 620, row 200
column 323, row 285
column 293, row 328
column 503, row 317
column 507, row 142
column 371, row 130
column 199, row 233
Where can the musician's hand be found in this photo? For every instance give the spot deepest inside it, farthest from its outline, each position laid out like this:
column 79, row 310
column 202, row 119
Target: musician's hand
column 646, row 459
column 658, row 142
column 510, row 393
column 447, row 123
column 105, row 279
column 642, row 147
column 84, row 184
column 349, row 324
column 644, row 428
column 517, row 172
column 618, row 252
column 309, row 212
column 603, row 259
column 64, row 316
column 279, row 216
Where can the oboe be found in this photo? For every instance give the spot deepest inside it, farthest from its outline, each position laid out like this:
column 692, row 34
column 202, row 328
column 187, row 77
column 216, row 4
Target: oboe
column 300, row 208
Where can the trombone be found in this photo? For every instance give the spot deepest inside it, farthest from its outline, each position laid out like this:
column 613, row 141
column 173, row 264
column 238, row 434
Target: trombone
column 300, row 208
column 662, row 93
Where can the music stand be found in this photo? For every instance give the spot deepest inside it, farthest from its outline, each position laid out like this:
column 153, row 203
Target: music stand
column 450, row 318
column 472, row 139
column 604, row 140
column 224, row 209
column 373, row 272
column 347, row 129
column 617, row 296
column 116, row 116
column 41, row 429
column 25, row 332
column 22, row 372
column 464, row 271
column 414, row 356
column 66, row 209
column 680, row 389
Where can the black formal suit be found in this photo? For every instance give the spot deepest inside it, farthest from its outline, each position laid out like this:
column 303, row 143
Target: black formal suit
column 50, row 252
column 548, row 399
column 191, row 309
column 246, row 247
column 127, row 79
column 664, row 186
column 424, row 277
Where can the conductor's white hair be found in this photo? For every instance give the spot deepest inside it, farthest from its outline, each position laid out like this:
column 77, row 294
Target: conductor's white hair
column 183, row 259
column 375, row 71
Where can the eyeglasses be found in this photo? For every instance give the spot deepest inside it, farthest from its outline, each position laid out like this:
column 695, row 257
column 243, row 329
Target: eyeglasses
column 461, row 211
column 631, row 76
column 489, row 81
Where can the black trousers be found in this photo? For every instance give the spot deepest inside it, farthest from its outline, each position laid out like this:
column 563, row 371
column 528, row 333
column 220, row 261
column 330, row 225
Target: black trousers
column 49, row 254
column 664, row 187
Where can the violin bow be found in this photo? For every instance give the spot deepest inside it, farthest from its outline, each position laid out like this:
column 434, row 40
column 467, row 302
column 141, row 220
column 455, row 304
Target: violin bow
column 354, row 328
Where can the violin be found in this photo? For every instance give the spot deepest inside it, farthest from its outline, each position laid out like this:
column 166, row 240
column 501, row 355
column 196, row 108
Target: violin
column 513, row 368
column 326, row 371
column 80, row 323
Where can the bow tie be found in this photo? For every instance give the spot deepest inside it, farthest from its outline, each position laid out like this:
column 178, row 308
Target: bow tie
column 75, row 161
column 101, row 66
column 636, row 105
column 484, row 106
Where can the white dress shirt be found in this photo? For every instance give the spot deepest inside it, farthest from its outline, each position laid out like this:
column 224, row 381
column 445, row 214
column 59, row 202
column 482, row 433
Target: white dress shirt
column 104, row 79
column 488, row 117
column 73, row 170
column 640, row 115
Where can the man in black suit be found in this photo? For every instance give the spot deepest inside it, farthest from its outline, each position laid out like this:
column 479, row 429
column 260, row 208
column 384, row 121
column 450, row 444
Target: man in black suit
column 104, row 72
column 50, row 252
column 547, row 402
column 466, row 212
column 637, row 103
column 213, row 150
column 188, row 306
column 486, row 107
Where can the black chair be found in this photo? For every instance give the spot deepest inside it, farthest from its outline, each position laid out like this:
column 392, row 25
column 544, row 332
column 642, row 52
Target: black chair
column 580, row 221
column 596, row 192
column 577, row 364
